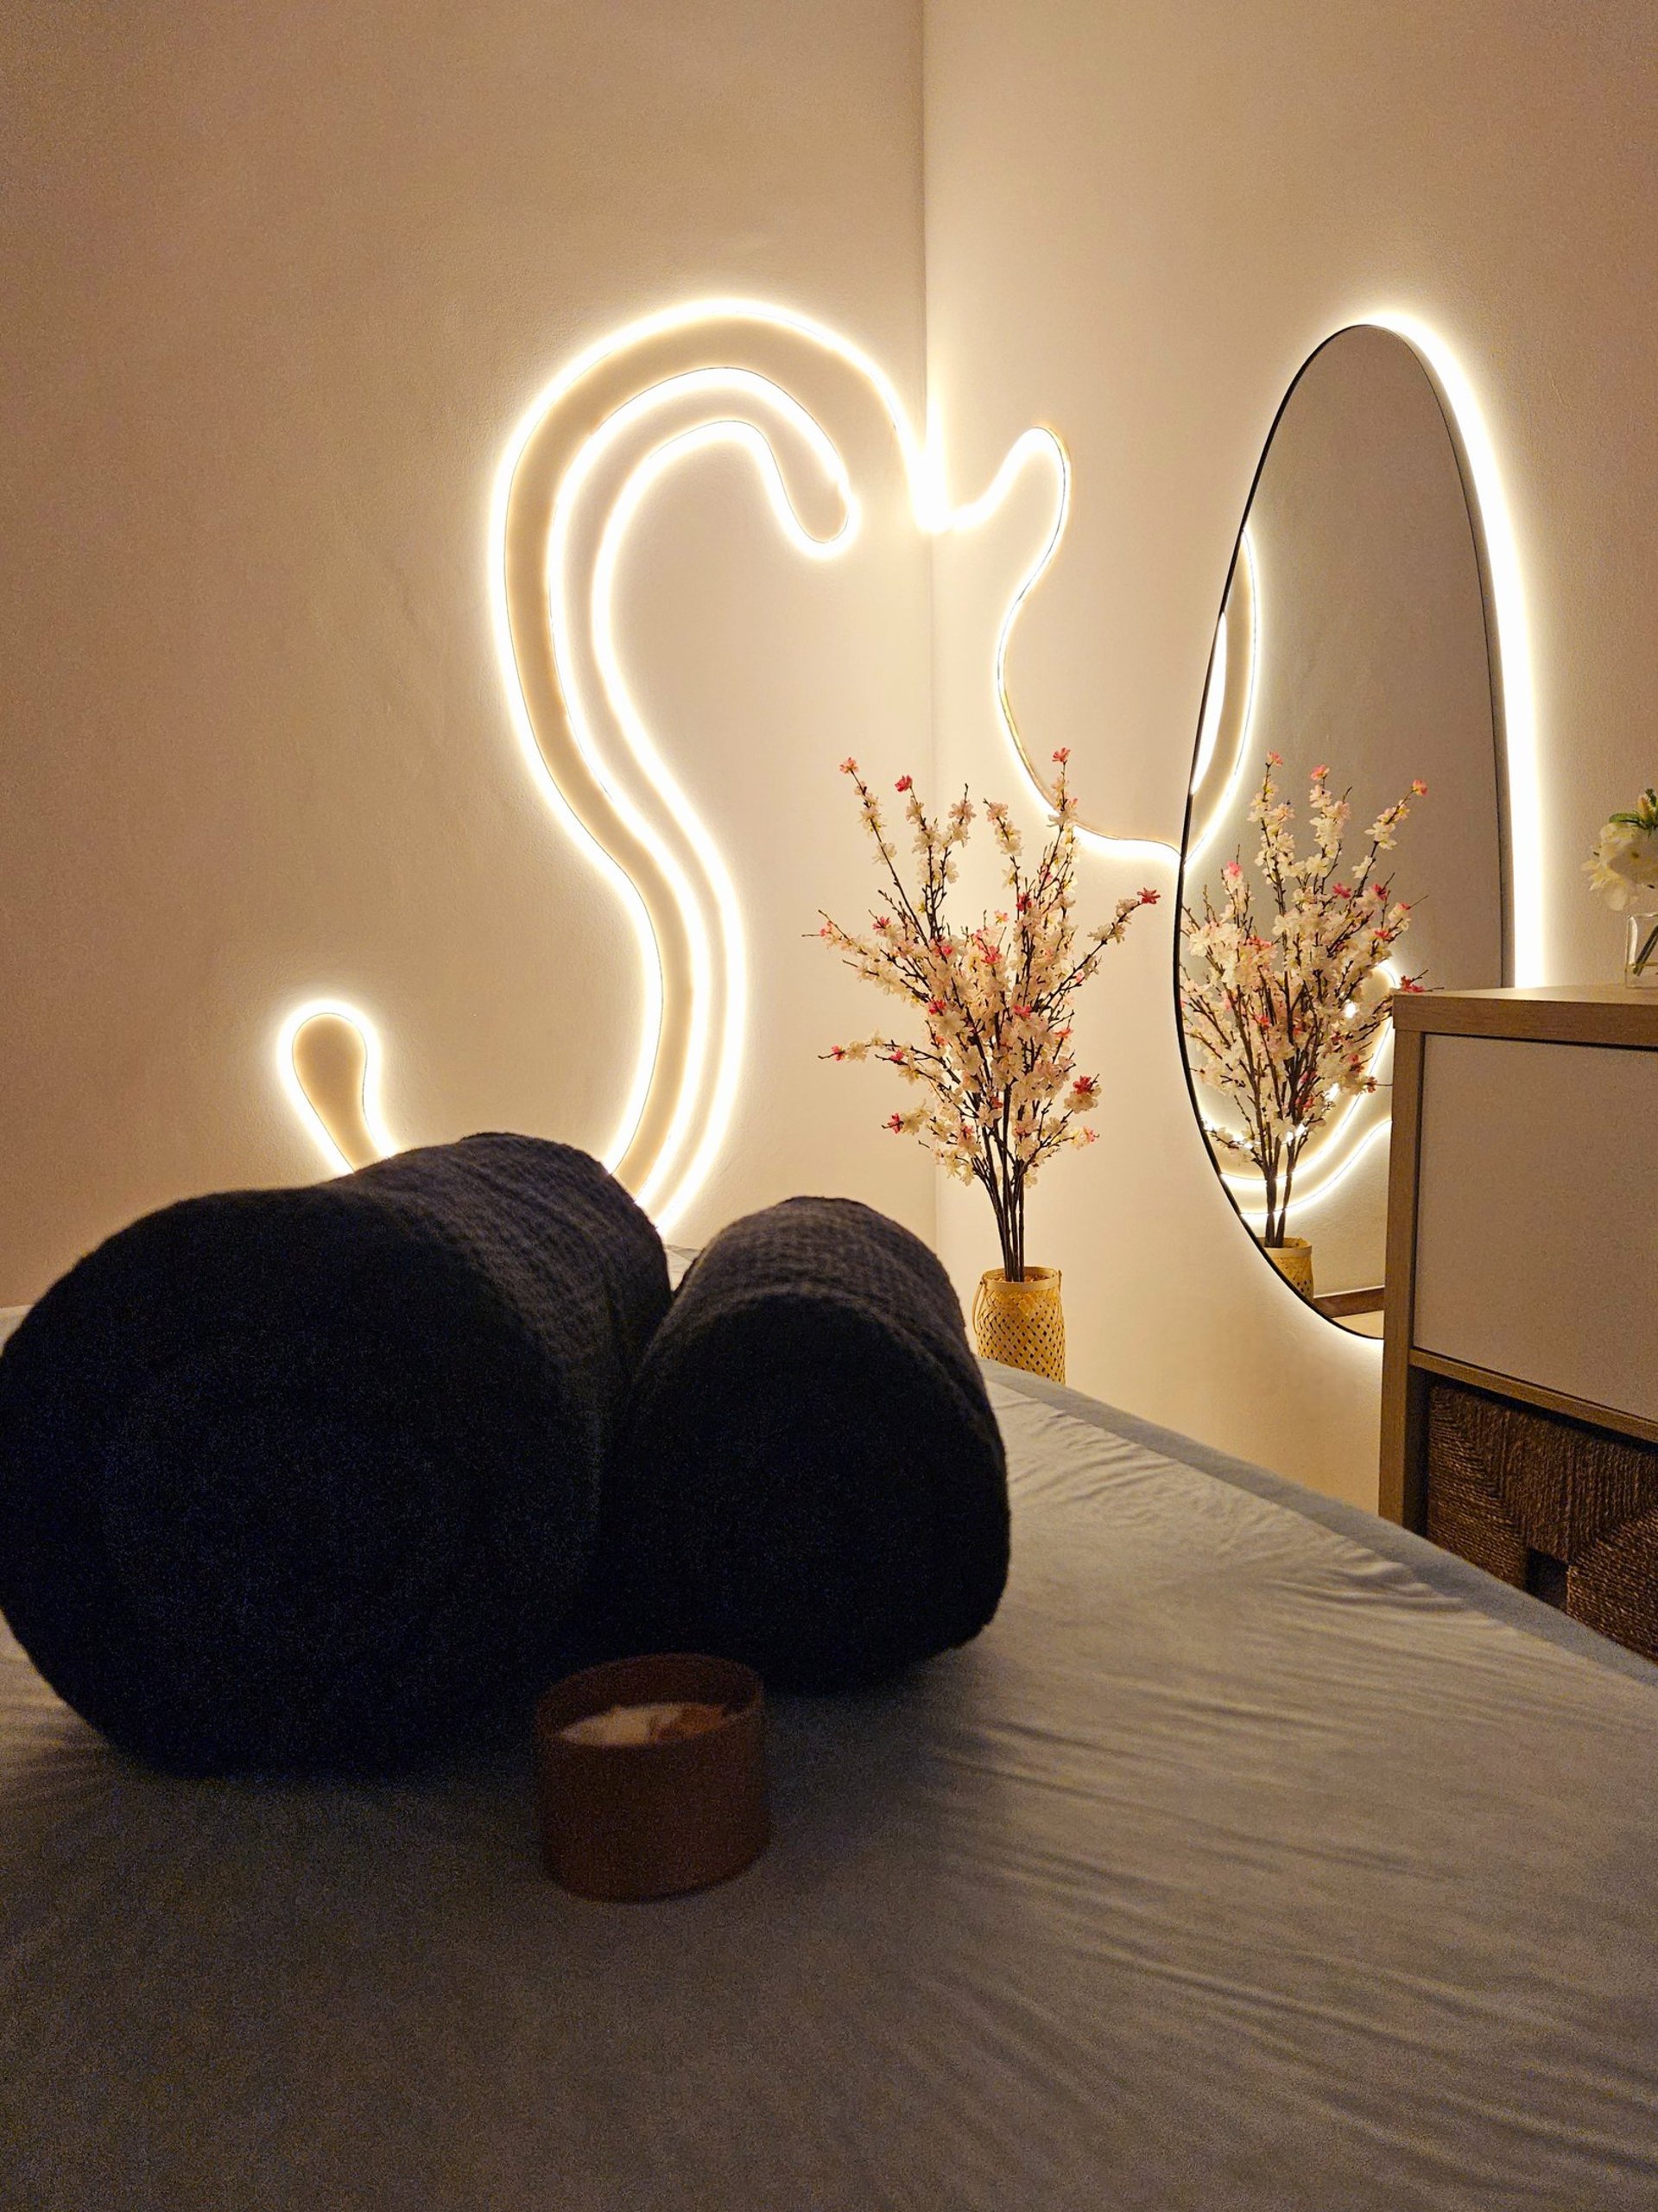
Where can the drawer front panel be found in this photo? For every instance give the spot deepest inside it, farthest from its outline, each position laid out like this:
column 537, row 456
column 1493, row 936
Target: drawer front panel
column 1536, row 1225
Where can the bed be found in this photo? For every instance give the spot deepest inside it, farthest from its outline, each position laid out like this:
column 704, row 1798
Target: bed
column 1258, row 1856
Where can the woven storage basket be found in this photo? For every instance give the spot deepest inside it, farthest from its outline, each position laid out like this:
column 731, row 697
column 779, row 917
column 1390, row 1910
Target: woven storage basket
column 1021, row 1324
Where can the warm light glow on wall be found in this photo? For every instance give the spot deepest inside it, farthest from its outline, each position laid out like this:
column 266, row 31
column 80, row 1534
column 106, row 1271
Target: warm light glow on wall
column 1228, row 726
column 1213, row 701
column 1511, row 627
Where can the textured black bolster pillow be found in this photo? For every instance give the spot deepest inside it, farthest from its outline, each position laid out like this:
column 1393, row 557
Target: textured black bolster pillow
column 304, row 1479
column 810, row 1478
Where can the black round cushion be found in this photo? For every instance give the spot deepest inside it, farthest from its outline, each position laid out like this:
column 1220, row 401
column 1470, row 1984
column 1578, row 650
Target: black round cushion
column 810, row 1478
column 307, row 1479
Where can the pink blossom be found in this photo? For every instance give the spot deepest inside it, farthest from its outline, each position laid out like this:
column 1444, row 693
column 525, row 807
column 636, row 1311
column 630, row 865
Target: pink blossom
column 837, row 1052
column 1419, row 787
column 1149, row 898
column 1062, row 755
column 1086, row 1087
column 1231, row 872
column 1275, row 760
column 895, row 1123
column 848, row 766
column 936, row 1006
column 1320, row 773
column 903, row 783
column 1341, row 890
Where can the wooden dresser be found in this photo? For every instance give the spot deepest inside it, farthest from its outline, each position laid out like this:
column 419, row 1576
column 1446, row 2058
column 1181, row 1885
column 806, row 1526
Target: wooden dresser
column 1519, row 1364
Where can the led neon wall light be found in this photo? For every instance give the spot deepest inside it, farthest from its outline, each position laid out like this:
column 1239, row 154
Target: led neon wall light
column 343, row 1117
column 714, row 373
column 665, row 388
column 720, row 371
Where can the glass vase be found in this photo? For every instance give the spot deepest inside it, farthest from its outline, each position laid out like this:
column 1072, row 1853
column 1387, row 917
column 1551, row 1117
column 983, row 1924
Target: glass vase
column 1641, row 951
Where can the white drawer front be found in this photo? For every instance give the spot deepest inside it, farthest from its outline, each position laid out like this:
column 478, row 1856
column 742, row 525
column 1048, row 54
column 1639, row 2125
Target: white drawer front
column 1537, row 1222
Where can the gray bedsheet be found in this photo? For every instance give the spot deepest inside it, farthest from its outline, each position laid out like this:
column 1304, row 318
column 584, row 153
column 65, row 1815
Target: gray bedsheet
column 1255, row 1856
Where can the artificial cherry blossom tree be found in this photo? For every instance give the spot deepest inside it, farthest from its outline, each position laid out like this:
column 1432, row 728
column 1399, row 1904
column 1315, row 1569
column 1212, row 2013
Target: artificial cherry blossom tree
column 1002, row 1090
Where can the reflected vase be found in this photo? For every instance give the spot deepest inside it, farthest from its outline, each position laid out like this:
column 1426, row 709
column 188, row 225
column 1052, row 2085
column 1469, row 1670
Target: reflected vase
column 1294, row 1261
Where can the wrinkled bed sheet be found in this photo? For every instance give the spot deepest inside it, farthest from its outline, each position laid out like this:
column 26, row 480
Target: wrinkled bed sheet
column 1255, row 1856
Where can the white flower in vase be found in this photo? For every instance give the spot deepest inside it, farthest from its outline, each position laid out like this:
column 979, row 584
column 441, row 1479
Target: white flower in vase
column 1623, row 866
column 1623, row 869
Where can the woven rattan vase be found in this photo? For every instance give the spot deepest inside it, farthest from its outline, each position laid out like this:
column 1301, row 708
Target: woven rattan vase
column 1021, row 1324
column 1294, row 1261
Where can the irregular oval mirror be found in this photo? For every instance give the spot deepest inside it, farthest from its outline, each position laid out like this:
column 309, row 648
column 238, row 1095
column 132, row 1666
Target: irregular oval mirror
column 1343, row 830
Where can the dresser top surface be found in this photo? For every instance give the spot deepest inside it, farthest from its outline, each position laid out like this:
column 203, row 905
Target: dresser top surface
column 1560, row 1013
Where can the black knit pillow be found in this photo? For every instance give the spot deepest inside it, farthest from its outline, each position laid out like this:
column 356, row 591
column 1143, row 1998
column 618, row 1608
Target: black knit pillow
column 811, row 1478
column 304, row 1479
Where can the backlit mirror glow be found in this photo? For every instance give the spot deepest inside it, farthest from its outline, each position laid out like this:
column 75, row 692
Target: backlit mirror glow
column 1352, row 664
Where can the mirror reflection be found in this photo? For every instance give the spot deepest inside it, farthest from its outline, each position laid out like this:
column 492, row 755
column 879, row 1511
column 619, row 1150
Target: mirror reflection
column 1343, row 833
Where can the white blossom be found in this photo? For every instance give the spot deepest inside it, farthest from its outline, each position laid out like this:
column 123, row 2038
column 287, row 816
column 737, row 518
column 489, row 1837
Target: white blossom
column 1623, row 866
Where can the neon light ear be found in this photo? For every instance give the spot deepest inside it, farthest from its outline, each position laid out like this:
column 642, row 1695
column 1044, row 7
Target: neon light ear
column 328, row 1059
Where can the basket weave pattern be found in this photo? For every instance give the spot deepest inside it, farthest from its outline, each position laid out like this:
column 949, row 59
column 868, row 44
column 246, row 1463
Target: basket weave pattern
column 1294, row 1261
column 1021, row 1324
column 1517, row 1491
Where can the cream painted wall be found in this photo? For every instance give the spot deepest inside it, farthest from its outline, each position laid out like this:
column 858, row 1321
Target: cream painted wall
column 1139, row 222
column 279, row 283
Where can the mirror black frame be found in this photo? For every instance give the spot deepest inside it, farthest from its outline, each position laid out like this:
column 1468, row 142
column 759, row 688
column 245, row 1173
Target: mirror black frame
column 1499, row 732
